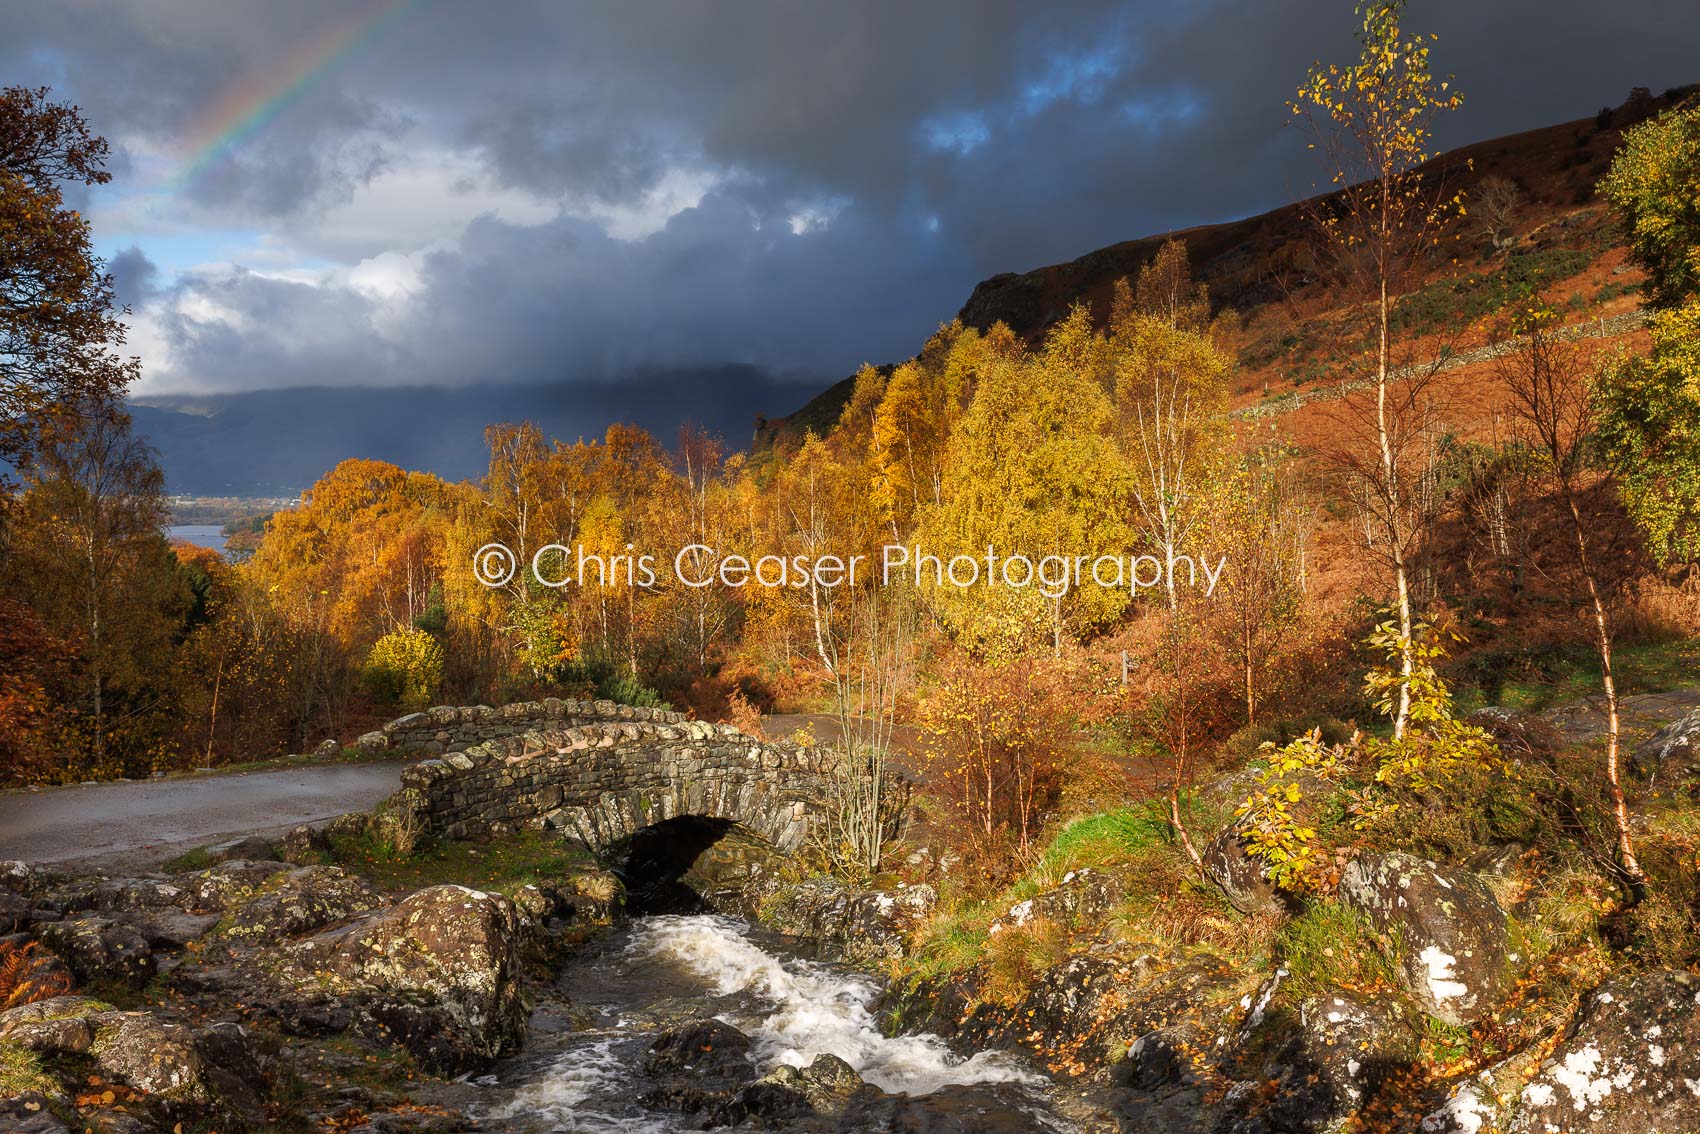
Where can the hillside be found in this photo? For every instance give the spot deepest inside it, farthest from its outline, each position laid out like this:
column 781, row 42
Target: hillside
column 1560, row 233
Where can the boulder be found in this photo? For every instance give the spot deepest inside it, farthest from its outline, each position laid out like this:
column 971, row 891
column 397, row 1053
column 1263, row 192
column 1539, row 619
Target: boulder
column 27, row 879
column 697, row 1068
column 300, row 901
column 305, row 845
column 1239, row 876
column 1519, row 735
column 1069, row 1002
column 167, row 929
column 1354, row 1040
column 1671, row 756
column 16, row 912
column 234, row 1071
column 438, row 971
column 351, row 825
column 117, row 894
column 225, row 885
column 100, row 950
column 706, row 1049
column 30, row 1113
column 1443, row 929
column 151, row 1056
column 60, row 1024
column 1083, row 895
column 172, row 1062
column 328, row 749
column 1629, row 1064
column 878, row 922
column 825, row 1087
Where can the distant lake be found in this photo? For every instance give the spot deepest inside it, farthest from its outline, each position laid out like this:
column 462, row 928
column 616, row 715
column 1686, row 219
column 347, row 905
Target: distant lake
column 202, row 535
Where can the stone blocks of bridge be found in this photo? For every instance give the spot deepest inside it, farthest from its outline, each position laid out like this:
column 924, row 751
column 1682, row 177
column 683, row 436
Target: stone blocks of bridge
column 603, row 781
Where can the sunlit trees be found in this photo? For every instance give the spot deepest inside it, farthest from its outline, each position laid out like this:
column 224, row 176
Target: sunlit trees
column 1372, row 122
column 358, row 559
column 237, row 657
column 1032, row 468
column 1266, row 520
column 912, row 427
column 1650, row 407
column 1171, row 394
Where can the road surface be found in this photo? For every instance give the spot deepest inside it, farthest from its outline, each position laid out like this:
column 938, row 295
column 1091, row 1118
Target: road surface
column 147, row 822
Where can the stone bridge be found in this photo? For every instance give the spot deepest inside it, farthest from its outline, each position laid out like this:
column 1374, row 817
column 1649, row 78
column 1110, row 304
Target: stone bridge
column 600, row 771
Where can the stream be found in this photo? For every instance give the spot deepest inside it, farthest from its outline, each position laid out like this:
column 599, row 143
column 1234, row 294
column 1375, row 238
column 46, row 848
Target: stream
column 586, row 1073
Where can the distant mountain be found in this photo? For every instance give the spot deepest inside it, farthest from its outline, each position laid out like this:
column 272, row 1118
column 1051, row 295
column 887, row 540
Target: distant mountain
column 1555, row 168
column 277, row 442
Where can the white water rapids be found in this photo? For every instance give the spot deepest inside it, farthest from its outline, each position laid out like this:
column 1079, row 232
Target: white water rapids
column 813, row 1010
column 792, row 1010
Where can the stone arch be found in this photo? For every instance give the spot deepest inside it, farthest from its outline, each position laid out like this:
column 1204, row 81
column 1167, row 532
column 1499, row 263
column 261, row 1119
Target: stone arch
column 605, row 782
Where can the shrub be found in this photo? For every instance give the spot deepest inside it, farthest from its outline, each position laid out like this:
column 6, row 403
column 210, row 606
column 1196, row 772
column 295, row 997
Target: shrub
column 405, row 669
column 397, row 833
column 1016, row 956
column 606, row 679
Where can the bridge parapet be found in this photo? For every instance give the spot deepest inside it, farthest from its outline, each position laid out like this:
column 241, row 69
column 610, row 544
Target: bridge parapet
column 605, row 780
column 449, row 728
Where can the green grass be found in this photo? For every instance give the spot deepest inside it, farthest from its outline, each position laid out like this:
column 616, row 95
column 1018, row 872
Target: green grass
column 1444, row 1043
column 188, row 862
column 1330, row 946
column 503, row 864
column 1559, row 677
column 951, row 942
column 21, row 1071
column 1111, row 836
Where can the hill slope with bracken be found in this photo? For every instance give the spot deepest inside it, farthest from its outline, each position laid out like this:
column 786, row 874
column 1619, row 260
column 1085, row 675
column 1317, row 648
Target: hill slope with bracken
column 1554, row 232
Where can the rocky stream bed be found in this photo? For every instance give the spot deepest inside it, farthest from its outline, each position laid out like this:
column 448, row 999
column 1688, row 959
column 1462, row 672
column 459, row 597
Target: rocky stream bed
column 704, row 984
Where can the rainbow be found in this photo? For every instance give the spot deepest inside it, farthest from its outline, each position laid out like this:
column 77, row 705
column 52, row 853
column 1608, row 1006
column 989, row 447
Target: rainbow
column 245, row 108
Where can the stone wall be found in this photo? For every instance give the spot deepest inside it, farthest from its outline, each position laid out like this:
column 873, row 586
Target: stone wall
column 1602, row 327
column 449, row 729
column 606, row 779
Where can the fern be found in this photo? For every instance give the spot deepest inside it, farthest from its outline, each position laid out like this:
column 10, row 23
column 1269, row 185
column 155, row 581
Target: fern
column 29, row 973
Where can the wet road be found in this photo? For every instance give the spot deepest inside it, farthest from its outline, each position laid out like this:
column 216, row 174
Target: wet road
column 141, row 823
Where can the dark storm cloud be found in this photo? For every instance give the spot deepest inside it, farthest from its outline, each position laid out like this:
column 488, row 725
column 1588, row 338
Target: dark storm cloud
column 134, row 277
column 918, row 148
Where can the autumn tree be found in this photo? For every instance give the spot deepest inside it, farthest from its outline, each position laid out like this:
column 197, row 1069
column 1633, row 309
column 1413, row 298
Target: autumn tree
column 701, row 618
column 1266, row 520
column 237, row 652
column 358, row 559
column 1494, row 207
column 1555, row 410
column 86, row 552
column 33, row 664
column 1166, row 290
column 1032, row 469
column 59, row 316
column 994, row 737
column 1372, row 121
column 1171, row 394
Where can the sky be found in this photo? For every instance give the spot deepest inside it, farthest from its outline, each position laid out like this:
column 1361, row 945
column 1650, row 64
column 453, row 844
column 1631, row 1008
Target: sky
column 406, row 193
